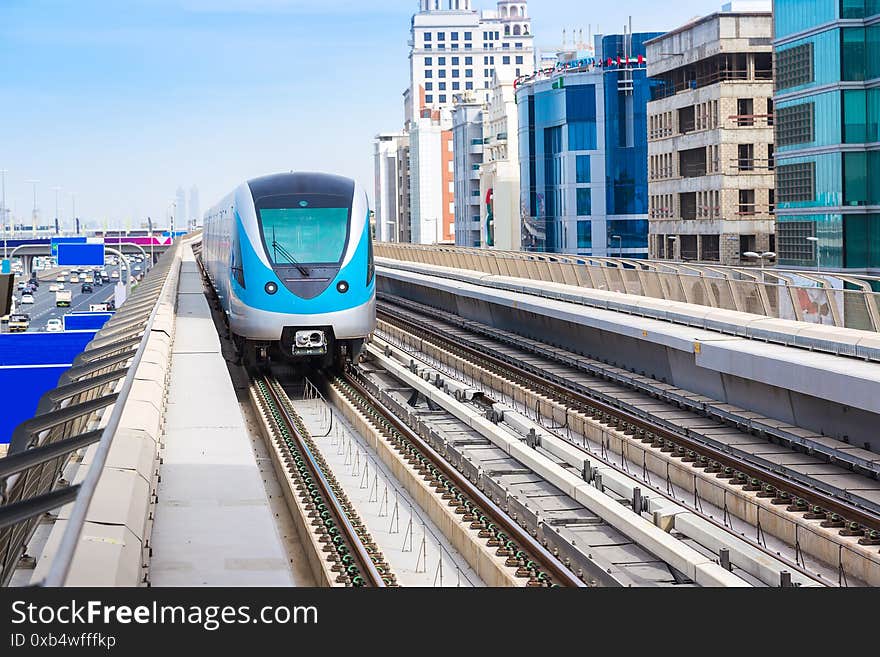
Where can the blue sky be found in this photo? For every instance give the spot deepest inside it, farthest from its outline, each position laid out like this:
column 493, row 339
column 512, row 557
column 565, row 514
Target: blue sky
column 121, row 101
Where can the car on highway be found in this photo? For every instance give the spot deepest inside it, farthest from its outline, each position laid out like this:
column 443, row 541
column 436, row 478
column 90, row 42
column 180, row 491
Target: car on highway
column 54, row 325
column 19, row 322
column 114, row 274
column 54, row 287
column 86, row 288
column 27, row 298
column 61, row 278
column 74, row 279
column 21, row 285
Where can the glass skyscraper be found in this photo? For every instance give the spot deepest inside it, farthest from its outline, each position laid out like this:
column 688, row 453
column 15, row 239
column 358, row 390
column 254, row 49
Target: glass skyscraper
column 828, row 133
column 583, row 152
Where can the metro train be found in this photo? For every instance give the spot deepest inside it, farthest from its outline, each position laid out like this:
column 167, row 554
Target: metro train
column 290, row 257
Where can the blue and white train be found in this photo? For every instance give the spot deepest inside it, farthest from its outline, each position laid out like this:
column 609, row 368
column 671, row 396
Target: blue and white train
column 290, row 257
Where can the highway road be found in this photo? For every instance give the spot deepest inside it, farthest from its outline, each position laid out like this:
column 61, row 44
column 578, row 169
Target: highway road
column 43, row 309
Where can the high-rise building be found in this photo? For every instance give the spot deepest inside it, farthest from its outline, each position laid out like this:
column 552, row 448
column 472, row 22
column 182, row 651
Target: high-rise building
column 179, row 215
column 391, row 162
column 195, row 218
column 710, row 138
column 467, row 149
column 454, row 49
column 828, row 133
column 584, row 152
column 431, row 179
column 499, row 173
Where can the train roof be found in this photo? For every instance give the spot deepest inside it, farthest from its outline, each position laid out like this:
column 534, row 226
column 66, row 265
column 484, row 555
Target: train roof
column 301, row 183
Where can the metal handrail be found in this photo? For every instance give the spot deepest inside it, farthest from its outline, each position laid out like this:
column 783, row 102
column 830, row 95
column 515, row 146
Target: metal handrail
column 26, row 477
column 64, row 555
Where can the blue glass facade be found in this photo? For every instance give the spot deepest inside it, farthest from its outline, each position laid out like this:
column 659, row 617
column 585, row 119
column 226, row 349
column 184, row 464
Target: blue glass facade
column 828, row 132
column 584, row 153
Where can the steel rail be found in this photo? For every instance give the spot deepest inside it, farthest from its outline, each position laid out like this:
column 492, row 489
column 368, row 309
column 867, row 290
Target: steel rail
column 367, row 567
column 555, row 568
column 782, row 484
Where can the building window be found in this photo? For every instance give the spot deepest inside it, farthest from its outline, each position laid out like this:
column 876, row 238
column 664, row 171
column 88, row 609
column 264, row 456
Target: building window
column 429, row 99
column 582, row 165
column 771, row 157
column 746, row 160
column 468, row 86
column 455, row 61
column 453, row 36
column 441, row 36
column 427, row 46
column 688, row 247
column 456, row 86
column 469, row 73
column 794, row 66
column 442, row 98
column 582, row 136
column 796, row 124
column 518, row 46
column 505, row 59
column 585, row 234
column 427, row 36
column 441, row 86
column 853, row 53
column 747, row 201
column 441, row 74
column 455, row 73
column 793, row 244
column 709, row 248
column 519, row 59
column 468, row 46
column 795, row 183
column 441, row 61
column 468, row 61
column 429, row 86
column 429, row 74
column 584, row 202
column 505, row 46
column 429, row 61
column 468, row 36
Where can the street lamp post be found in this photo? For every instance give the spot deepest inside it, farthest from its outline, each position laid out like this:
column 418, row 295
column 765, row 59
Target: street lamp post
column 767, row 255
column 815, row 241
column 57, row 189
column 34, row 216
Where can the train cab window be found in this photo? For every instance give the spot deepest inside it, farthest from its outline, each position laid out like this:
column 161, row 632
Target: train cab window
column 307, row 231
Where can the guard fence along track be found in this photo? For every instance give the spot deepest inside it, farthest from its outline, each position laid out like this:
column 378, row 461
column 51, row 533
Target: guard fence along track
column 346, row 542
column 850, row 517
column 522, row 552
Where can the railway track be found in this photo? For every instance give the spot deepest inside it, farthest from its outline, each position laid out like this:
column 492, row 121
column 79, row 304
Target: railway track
column 522, row 553
column 346, row 546
column 857, row 527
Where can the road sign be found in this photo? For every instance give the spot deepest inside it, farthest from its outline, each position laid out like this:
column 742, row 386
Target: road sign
column 80, row 254
column 65, row 240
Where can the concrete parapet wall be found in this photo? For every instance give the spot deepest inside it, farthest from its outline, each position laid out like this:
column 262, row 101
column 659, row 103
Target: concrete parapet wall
column 113, row 548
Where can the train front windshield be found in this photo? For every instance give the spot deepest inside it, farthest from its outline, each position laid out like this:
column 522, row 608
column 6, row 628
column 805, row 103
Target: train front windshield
column 305, row 233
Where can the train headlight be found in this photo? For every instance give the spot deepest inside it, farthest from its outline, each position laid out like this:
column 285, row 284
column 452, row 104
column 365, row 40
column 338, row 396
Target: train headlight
column 271, row 287
column 342, row 286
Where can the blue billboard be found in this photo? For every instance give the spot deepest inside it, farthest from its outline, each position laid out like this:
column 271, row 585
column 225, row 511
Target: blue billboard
column 80, row 254
column 65, row 240
column 30, row 365
column 86, row 321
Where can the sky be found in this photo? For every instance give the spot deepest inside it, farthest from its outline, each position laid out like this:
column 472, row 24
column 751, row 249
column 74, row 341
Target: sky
column 120, row 102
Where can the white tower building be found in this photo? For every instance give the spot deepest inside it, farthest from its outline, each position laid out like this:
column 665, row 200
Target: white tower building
column 454, row 50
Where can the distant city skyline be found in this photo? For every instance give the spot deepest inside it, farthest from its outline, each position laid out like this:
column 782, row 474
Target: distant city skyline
column 120, row 105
